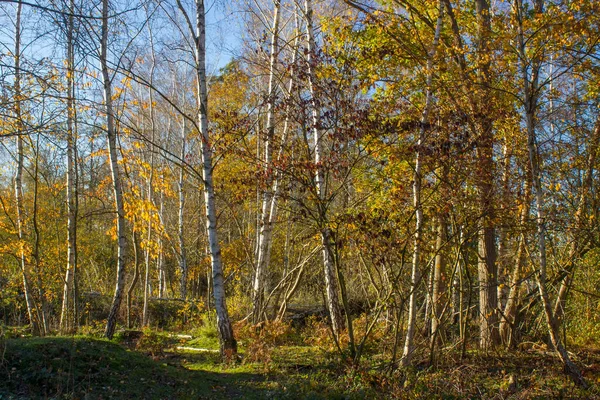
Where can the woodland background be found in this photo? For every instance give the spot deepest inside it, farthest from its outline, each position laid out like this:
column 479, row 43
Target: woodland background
column 415, row 180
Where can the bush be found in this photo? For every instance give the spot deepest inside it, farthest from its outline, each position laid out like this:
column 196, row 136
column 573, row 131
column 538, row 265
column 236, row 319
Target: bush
column 318, row 333
column 151, row 342
column 262, row 338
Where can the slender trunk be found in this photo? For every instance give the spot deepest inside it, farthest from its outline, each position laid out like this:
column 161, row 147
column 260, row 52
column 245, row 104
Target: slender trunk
column 34, row 319
column 439, row 279
column 553, row 330
column 274, row 172
column 162, row 279
column 266, row 226
column 183, row 266
column 577, row 242
column 111, row 134
column 150, row 184
column 147, row 288
column 530, row 91
column 68, row 321
column 136, row 273
column 41, row 292
column 440, row 284
column 507, row 325
column 503, row 255
column 409, row 346
column 426, row 309
column 331, row 284
column 227, row 340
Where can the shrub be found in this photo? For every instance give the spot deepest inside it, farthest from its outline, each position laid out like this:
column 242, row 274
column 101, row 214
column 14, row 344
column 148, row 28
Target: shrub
column 262, row 338
column 152, row 342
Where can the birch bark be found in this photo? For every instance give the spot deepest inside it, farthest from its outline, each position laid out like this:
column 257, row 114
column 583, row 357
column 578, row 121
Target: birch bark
column 409, row 346
column 111, row 134
column 68, row 315
column 530, row 70
column 227, row 341
column 266, row 226
column 331, row 284
column 32, row 310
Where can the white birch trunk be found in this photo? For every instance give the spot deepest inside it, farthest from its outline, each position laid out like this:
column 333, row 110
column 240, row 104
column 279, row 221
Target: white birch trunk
column 183, row 266
column 68, row 315
column 116, row 177
column 331, row 284
column 33, row 313
column 227, row 341
column 531, row 93
column 266, row 226
column 409, row 346
column 149, row 187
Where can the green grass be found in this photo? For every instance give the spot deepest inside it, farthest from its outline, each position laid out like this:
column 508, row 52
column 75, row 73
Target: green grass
column 205, row 337
column 70, row 368
column 89, row 368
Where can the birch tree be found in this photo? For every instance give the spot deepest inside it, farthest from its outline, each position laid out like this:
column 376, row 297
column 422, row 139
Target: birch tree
column 268, row 202
column 530, row 75
column 117, row 187
column 228, row 343
column 69, row 314
column 331, row 283
column 409, row 346
column 33, row 311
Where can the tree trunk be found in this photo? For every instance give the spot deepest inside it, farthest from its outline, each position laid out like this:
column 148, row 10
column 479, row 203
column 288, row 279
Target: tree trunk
column 32, row 311
column 162, row 279
column 149, row 185
column 409, row 346
column 503, row 256
column 531, row 92
column 136, row 273
column 577, row 242
column 439, row 279
column 111, row 134
column 507, row 328
column 68, row 314
column 227, row 341
column 331, row 284
column 266, row 222
column 41, row 292
column 183, row 265
column 487, row 268
column 553, row 330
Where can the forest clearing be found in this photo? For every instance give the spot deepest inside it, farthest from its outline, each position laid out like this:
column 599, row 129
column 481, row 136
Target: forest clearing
column 299, row 199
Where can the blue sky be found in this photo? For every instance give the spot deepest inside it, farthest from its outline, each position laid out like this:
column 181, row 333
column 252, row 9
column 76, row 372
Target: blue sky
column 222, row 34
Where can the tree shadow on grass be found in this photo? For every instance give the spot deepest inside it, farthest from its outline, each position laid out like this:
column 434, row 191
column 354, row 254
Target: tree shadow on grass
column 85, row 368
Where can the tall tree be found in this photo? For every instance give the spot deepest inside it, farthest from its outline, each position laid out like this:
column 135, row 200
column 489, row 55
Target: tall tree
column 417, row 202
column 34, row 313
column 111, row 134
column 69, row 314
column 266, row 222
column 487, row 267
column 228, row 343
column 530, row 75
column 327, row 240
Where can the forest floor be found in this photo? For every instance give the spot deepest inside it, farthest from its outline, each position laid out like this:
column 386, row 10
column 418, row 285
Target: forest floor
column 163, row 366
